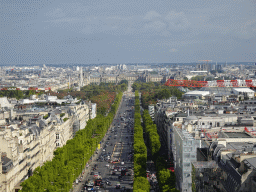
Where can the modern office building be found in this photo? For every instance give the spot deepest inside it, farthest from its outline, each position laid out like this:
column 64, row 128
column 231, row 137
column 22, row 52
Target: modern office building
column 184, row 152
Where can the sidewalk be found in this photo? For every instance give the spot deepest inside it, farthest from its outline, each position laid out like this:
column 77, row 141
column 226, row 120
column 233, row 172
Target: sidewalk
column 86, row 171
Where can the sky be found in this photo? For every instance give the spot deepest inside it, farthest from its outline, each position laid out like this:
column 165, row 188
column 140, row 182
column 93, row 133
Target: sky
column 126, row 31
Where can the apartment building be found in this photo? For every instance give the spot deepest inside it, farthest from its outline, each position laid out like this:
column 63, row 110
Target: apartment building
column 236, row 159
column 24, row 147
column 29, row 138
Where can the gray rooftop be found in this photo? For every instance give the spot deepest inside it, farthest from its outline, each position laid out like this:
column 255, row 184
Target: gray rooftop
column 251, row 162
column 237, row 135
column 218, row 90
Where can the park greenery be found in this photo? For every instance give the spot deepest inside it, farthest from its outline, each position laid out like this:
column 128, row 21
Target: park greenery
column 209, row 78
column 103, row 94
column 103, row 101
column 152, row 91
column 18, row 94
column 62, row 114
column 69, row 160
column 141, row 183
column 198, row 78
column 92, row 90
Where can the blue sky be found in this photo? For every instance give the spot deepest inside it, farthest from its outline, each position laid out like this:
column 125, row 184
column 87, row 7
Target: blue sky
column 126, row 31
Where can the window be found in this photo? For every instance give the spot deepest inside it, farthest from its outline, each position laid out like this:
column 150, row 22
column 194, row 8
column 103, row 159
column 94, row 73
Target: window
column 177, row 119
column 218, row 124
column 57, row 144
column 57, row 136
column 210, row 123
column 202, row 123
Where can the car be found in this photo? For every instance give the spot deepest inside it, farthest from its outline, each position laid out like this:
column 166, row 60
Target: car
column 118, row 186
column 96, row 174
column 122, row 163
column 107, row 165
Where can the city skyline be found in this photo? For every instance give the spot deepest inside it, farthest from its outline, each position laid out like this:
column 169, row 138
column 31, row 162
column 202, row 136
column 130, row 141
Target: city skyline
column 54, row 32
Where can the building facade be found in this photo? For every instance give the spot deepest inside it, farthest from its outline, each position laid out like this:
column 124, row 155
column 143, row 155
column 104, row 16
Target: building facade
column 29, row 139
column 184, row 152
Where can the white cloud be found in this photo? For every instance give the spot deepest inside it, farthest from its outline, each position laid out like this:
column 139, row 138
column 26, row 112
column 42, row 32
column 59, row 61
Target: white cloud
column 177, row 20
column 119, row 18
column 67, row 19
column 155, row 25
column 151, row 15
column 55, row 13
column 87, row 30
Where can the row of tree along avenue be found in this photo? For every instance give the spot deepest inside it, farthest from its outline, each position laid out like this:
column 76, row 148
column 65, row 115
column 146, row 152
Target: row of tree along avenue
column 165, row 177
column 141, row 183
column 152, row 91
column 69, row 160
column 151, row 134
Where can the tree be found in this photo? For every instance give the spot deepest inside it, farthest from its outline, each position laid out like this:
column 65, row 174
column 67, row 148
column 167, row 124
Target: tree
column 198, row 78
column 141, row 184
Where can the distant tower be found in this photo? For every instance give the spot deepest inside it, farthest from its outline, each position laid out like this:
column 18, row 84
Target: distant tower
column 2, row 74
column 69, row 81
column 81, row 77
